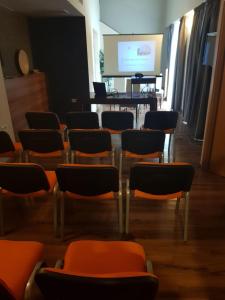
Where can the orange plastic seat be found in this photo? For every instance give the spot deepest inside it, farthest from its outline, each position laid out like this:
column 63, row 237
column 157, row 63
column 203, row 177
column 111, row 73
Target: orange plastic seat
column 17, row 262
column 102, row 270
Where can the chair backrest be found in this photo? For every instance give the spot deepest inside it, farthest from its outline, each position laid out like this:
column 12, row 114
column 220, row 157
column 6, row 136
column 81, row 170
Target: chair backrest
column 42, row 120
column 22, row 178
column 143, row 141
column 57, row 286
column 161, row 120
column 42, row 141
column 88, row 180
column 161, row 179
column 6, row 144
column 117, row 120
column 90, row 141
column 82, row 120
column 5, row 293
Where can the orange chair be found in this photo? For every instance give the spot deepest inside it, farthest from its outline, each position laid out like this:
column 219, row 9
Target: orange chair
column 8, row 148
column 117, row 121
column 44, row 143
column 19, row 262
column 162, row 120
column 91, row 144
column 82, row 120
column 154, row 181
column 43, row 120
column 24, row 180
column 141, row 144
column 100, row 270
column 89, row 182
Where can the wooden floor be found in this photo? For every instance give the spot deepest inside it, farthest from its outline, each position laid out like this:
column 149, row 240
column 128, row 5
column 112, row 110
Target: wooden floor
column 192, row 270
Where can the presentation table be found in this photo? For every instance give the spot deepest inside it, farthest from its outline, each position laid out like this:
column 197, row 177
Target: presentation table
column 126, row 99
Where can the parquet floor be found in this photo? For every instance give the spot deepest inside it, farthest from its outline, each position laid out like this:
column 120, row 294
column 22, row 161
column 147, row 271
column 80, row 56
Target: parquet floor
column 194, row 270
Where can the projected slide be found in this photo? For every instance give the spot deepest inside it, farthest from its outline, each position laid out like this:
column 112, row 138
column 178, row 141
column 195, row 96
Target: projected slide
column 137, row 56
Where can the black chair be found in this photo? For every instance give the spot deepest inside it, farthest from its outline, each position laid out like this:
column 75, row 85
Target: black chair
column 91, row 144
column 82, row 120
column 141, row 144
column 117, row 121
column 162, row 120
column 160, row 182
column 24, row 180
column 100, row 270
column 87, row 182
column 43, row 144
column 45, row 120
column 9, row 149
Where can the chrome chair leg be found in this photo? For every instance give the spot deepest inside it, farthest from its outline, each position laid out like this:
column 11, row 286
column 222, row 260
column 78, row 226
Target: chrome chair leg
column 186, row 215
column 62, row 215
column 127, row 207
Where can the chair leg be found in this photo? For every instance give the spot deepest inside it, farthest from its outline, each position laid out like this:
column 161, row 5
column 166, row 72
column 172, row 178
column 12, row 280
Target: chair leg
column 121, row 165
column 31, row 289
column 169, row 147
column 120, row 210
column 177, row 205
column 66, row 156
column 62, row 212
column 113, row 157
column 56, row 205
column 127, row 207
column 186, row 213
column 1, row 217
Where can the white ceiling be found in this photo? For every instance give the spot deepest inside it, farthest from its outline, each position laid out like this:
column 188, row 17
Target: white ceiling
column 40, row 7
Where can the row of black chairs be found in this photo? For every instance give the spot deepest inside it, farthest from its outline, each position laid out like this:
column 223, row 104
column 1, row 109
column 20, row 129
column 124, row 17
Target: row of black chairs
column 90, row 269
column 101, row 182
column 84, row 143
column 115, row 120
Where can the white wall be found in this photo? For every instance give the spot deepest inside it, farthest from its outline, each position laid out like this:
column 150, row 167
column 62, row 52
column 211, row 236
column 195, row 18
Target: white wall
column 104, row 29
column 176, row 9
column 132, row 16
column 5, row 117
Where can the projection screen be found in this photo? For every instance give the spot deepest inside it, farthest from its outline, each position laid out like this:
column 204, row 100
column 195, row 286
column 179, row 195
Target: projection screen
column 125, row 55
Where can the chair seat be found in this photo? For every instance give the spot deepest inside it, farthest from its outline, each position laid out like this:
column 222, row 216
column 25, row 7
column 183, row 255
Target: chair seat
column 51, row 154
column 147, row 155
column 103, row 257
column 17, row 261
column 105, row 196
column 97, row 154
column 142, row 195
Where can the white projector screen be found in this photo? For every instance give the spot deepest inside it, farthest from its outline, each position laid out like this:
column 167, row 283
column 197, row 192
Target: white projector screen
column 125, row 55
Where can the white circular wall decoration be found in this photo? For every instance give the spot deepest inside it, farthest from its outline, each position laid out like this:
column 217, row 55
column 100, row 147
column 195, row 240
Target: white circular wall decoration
column 23, row 62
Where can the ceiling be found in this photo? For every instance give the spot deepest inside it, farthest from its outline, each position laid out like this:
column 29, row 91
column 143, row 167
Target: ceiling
column 40, row 7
